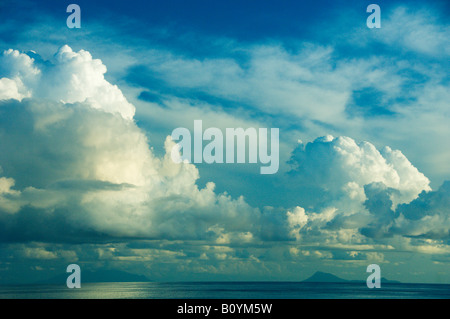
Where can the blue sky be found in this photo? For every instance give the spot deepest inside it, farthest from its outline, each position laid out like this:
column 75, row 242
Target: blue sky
column 364, row 151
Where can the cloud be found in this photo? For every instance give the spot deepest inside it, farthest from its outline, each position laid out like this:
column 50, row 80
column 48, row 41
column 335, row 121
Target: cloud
column 428, row 216
column 86, row 172
column 70, row 77
column 273, row 81
column 85, row 169
column 340, row 166
column 296, row 219
column 362, row 195
column 18, row 74
column 417, row 31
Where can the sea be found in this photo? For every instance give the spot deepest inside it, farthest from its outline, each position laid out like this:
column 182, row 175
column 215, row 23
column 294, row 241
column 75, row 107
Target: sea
column 226, row 290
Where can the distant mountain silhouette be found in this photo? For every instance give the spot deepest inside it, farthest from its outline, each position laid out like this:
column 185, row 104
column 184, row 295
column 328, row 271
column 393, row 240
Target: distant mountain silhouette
column 88, row 276
column 326, row 277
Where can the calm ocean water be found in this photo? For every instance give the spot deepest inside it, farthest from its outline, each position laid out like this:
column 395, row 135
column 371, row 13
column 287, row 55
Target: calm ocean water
column 226, row 290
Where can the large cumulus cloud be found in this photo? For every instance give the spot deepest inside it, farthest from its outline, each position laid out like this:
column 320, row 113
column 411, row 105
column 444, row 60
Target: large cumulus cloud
column 75, row 167
column 356, row 194
column 340, row 165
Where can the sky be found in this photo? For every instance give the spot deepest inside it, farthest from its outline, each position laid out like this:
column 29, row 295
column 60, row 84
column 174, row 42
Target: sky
column 86, row 115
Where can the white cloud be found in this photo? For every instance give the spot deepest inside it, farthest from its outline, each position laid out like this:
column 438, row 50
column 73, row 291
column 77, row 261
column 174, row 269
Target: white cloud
column 416, row 30
column 361, row 194
column 10, row 89
column 296, row 219
column 70, row 77
column 342, row 166
column 274, row 81
column 82, row 164
column 17, row 75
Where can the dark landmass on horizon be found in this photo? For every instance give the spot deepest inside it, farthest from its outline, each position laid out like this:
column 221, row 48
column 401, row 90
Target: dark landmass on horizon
column 88, row 276
column 323, row 277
